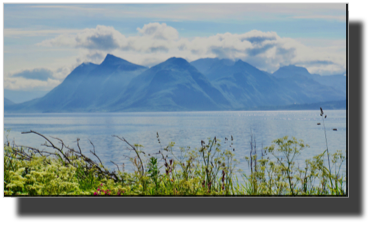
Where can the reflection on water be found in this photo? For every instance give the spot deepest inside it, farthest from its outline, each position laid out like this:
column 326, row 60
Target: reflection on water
column 184, row 128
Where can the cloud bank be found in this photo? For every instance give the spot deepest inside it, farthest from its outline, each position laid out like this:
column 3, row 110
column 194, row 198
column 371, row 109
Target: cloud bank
column 156, row 42
column 36, row 79
column 36, row 74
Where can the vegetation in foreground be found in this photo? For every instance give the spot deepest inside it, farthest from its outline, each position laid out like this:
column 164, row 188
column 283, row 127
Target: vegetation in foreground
column 206, row 171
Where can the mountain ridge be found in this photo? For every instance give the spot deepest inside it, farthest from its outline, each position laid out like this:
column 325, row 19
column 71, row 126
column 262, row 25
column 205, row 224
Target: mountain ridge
column 178, row 85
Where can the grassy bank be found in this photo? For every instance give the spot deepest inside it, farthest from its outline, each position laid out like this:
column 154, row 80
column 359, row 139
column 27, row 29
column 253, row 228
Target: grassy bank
column 205, row 171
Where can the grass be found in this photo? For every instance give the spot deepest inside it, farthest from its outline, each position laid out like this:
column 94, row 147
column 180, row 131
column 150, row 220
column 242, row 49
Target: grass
column 210, row 170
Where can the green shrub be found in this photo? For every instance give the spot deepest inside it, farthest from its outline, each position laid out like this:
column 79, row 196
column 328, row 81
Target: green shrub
column 206, row 171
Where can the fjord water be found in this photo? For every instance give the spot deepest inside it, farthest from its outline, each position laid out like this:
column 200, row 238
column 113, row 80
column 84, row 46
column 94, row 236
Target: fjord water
column 183, row 128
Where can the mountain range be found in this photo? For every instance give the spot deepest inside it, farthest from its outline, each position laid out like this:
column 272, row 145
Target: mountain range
column 207, row 84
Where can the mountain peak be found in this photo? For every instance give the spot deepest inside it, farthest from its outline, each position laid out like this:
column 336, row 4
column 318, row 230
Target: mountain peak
column 240, row 62
column 87, row 64
column 175, row 62
column 290, row 71
column 298, row 69
column 113, row 61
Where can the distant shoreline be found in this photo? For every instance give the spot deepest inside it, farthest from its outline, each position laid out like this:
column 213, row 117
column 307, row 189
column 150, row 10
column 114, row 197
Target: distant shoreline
column 330, row 105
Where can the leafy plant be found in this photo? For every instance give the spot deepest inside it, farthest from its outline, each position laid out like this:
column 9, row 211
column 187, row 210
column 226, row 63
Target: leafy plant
column 206, row 171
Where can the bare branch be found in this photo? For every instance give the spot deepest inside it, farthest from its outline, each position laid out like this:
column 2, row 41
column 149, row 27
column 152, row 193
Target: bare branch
column 80, row 150
column 116, row 166
column 93, row 152
column 78, row 154
column 134, row 149
column 51, row 144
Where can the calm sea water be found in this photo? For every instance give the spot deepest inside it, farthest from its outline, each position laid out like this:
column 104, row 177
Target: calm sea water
column 184, row 128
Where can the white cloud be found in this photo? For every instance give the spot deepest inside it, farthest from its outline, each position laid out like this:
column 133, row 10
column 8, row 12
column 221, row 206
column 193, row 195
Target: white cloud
column 159, row 31
column 157, row 42
column 102, row 38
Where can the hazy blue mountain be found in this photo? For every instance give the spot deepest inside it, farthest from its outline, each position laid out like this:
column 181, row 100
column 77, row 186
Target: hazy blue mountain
column 176, row 85
column 248, row 87
column 8, row 102
column 243, row 84
column 291, row 71
column 171, row 86
column 86, row 88
column 313, row 85
column 214, row 68
column 205, row 65
column 19, row 96
column 103, row 84
column 338, row 82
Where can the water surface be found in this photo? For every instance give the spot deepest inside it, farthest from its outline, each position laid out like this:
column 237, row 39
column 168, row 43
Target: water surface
column 184, row 128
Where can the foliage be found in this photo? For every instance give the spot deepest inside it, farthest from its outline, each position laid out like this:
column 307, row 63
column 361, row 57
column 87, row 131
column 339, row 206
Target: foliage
column 206, row 171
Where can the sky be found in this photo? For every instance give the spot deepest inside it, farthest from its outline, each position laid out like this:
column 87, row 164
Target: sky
column 43, row 43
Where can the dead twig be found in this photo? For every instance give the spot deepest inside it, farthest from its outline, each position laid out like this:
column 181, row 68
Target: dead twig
column 51, row 144
column 116, row 166
column 101, row 170
column 134, row 149
column 93, row 152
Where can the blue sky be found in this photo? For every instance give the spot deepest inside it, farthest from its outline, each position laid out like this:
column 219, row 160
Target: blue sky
column 43, row 43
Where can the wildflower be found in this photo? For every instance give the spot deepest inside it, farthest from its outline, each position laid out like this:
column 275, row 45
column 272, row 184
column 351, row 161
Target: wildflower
column 95, row 193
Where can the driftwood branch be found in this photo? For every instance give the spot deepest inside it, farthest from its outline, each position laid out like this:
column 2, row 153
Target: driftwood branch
column 116, row 166
column 51, row 144
column 80, row 150
column 134, row 149
column 34, row 150
column 78, row 154
column 94, row 153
